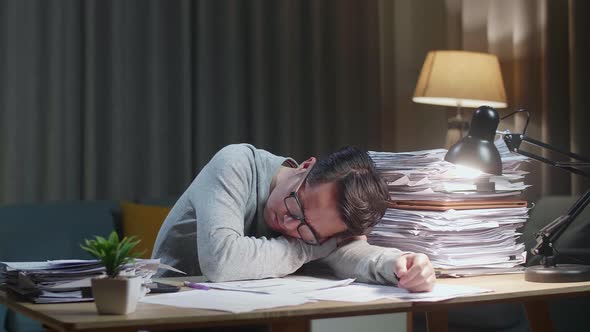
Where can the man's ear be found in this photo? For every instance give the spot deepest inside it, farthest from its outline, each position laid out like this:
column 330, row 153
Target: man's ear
column 308, row 163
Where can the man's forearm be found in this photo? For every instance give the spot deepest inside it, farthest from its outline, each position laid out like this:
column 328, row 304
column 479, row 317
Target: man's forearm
column 239, row 258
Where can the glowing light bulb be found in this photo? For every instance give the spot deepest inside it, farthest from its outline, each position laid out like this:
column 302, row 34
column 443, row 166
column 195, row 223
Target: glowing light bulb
column 467, row 172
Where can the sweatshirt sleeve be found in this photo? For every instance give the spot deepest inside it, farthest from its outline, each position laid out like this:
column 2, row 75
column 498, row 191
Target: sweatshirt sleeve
column 367, row 263
column 220, row 199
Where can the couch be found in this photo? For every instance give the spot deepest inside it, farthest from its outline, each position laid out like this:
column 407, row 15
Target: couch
column 55, row 230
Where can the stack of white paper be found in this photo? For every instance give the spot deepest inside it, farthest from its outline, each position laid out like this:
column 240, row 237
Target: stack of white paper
column 62, row 281
column 456, row 241
column 425, row 175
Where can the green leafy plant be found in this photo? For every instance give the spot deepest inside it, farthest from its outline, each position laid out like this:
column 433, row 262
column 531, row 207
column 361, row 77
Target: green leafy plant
column 111, row 252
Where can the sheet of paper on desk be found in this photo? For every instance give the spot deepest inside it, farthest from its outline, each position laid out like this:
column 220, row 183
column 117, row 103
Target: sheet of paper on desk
column 359, row 292
column 442, row 292
column 287, row 285
column 231, row 301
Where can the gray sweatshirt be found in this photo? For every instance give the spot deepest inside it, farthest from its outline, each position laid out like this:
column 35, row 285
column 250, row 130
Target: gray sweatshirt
column 217, row 229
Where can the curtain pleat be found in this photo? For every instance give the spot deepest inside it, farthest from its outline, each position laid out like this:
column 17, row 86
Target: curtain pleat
column 556, row 92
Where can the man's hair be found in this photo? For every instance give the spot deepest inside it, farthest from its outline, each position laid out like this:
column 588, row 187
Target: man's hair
column 362, row 193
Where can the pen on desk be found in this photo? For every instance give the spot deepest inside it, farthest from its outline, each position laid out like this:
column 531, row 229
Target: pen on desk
column 195, row 285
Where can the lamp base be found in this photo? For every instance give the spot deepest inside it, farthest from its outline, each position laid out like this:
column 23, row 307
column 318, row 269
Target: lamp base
column 558, row 273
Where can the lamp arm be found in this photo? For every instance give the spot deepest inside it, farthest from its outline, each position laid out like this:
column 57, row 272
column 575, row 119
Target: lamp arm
column 547, row 235
column 513, row 142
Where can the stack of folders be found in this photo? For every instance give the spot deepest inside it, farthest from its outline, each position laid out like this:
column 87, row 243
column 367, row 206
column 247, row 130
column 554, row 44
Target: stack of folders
column 63, row 281
column 436, row 209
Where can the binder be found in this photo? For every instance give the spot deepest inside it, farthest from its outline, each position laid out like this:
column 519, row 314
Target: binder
column 456, row 205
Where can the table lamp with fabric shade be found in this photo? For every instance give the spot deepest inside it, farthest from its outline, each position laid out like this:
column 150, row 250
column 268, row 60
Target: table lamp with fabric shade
column 460, row 79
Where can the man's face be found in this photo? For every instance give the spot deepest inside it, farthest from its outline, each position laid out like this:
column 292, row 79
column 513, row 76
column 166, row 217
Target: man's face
column 319, row 204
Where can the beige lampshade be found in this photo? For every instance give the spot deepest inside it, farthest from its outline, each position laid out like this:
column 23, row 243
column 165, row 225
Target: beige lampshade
column 460, row 78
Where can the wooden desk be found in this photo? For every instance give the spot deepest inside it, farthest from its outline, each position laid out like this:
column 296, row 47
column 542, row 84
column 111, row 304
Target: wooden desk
column 507, row 288
column 83, row 316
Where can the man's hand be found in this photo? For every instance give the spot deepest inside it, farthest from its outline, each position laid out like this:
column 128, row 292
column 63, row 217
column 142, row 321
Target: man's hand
column 415, row 272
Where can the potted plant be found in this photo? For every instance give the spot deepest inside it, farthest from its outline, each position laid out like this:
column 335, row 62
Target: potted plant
column 113, row 293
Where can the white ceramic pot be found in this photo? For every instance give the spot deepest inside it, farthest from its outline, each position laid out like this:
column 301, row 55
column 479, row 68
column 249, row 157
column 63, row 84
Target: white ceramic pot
column 117, row 296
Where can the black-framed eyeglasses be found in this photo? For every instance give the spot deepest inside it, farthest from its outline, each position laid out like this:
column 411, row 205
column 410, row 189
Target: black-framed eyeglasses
column 295, row 210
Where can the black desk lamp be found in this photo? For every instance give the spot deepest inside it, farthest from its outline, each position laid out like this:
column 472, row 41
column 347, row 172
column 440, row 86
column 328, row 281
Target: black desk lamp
column 477, row 149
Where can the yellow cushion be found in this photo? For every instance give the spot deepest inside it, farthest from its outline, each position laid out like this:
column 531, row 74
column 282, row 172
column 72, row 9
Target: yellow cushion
column 143, row 221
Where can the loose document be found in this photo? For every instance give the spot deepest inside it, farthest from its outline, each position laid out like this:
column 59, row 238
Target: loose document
column 244, row 296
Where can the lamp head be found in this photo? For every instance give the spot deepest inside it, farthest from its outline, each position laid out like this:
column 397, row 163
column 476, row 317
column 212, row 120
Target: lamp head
column 477, row 149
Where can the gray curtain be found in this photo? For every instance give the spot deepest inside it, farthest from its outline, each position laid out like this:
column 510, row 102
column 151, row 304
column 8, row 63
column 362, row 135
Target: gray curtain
column 129, row 99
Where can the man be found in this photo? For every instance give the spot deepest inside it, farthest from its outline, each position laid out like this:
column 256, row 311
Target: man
column 250, row 214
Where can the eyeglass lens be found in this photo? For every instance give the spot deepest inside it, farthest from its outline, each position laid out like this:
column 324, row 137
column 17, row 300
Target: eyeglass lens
column 306, row 234
column 295, row 210
column 293, row 207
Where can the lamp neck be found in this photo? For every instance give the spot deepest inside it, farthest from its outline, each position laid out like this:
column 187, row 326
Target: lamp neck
column 459, row 114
